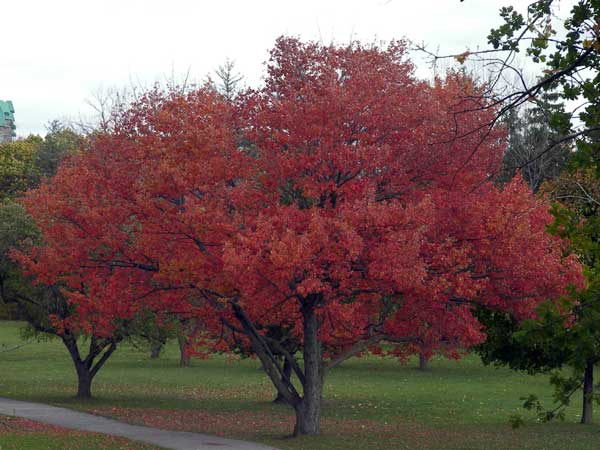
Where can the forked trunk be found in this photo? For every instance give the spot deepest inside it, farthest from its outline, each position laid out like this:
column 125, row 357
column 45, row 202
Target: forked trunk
column 308, row 410
column 88, row 368
column 308, row 405
column 588, row 394
column 85, row 375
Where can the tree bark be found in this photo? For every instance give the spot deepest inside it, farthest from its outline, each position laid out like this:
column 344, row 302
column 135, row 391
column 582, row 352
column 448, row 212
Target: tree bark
column 86, row 368
column 423, row 360
column 287, row 370
column 308, row 410
column 184, row 355
column 84, row 373
column 307, row 407
column 156, row 349
column 588, row 393
column 84, row 382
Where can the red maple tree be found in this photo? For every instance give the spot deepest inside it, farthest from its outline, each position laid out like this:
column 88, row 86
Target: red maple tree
column 345, row 202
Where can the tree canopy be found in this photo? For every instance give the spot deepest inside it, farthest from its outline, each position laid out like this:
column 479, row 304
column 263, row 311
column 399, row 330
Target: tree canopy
column 335, row 202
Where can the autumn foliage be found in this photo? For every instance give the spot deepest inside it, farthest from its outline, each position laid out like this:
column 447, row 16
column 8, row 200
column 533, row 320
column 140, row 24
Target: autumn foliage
column 345, row 201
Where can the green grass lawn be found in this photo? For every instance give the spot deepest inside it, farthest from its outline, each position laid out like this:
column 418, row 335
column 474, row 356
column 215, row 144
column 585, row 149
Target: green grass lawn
column 369, row 404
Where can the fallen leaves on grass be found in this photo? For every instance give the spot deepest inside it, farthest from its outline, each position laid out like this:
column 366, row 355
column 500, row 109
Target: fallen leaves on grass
column 17, row 425
column 246, row 423
column 78, row 440
column 272, row 426
column 262, row 393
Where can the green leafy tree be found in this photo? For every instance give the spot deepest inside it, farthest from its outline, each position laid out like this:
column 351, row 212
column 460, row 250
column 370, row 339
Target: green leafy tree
column 565, row 337
column 570, row 49
column 577, row 219
column 229, row 79
column 571, row 52
column 566, row 47
column 18, row 166
column 15, row 227
column 60, row 141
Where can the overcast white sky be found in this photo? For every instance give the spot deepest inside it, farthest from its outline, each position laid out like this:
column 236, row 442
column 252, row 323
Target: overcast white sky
column 54, row 54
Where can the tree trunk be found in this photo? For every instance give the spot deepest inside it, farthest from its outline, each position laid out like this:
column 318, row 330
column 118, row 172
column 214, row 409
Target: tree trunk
column 84, row 382
column 287, row 370
column 308, row 410
column 84, row 373
column 85, row 368
column 184, row 355
column 156, row 349
column 588, row 392
column 423, row 360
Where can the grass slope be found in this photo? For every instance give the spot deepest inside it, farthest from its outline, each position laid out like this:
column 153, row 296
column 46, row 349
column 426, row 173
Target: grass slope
column 369, row 404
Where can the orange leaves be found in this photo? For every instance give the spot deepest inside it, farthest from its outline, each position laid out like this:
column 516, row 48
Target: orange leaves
column 462, row 57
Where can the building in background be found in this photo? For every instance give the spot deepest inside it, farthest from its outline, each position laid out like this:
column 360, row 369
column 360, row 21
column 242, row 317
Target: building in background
column 7, row 121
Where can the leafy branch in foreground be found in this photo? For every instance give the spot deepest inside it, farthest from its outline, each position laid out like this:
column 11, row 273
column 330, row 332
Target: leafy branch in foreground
column 567, row 48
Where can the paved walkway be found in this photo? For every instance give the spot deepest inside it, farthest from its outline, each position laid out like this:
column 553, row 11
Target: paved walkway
column 67, row 418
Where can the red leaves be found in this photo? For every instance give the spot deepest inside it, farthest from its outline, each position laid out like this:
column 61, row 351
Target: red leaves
column 344, row 178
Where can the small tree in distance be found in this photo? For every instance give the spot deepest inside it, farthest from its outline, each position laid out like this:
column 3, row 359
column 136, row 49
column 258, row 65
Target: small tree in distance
column 529, row 137
column 229, row 79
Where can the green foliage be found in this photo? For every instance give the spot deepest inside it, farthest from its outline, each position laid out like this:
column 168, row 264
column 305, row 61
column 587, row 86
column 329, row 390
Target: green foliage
column 572, row 59
column 15, row 226
column 508, row 343
column 22, row 165
column 564, row 388
column 59, row 142
column 147, row 330
column 502, row 37
column 566, row 332
column 31, row 302
column 18, row 165
column 23, row 162
column 16, row 229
